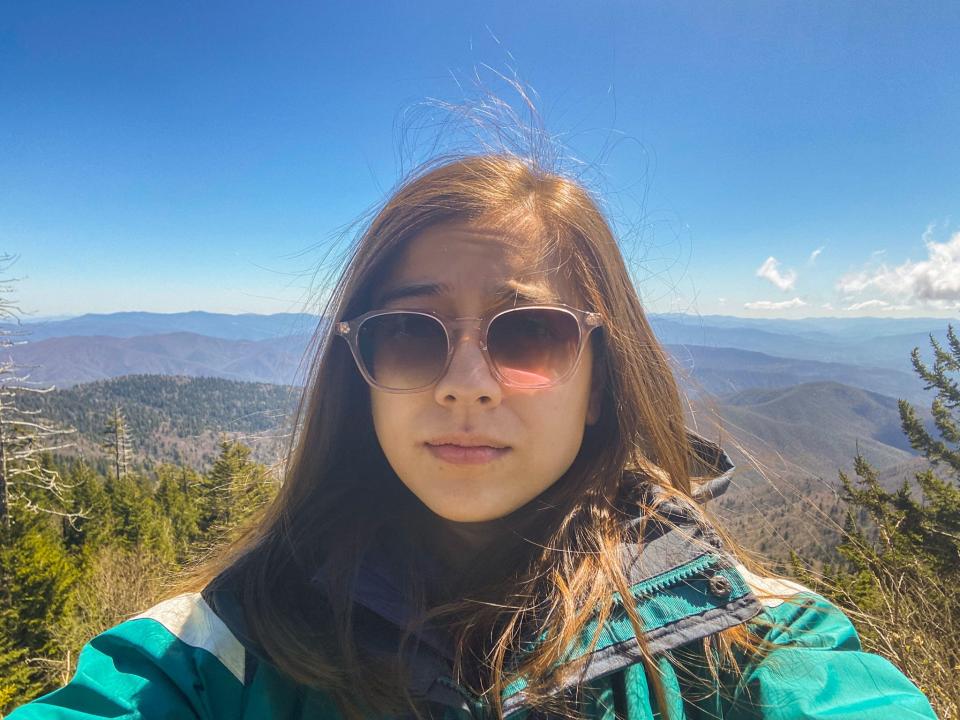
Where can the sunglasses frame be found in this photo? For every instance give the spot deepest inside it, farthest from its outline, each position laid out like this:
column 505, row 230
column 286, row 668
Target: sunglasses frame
column 587, row 322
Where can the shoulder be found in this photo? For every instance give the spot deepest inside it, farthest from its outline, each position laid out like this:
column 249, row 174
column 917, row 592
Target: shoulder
column 774, row 591
column 809, row 662
column 794, row 616
column 188, row 620
column 177, row 657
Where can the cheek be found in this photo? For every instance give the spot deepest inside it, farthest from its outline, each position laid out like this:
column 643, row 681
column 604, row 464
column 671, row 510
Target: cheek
column 561, row 419
column 555, row 421
column 391, row 419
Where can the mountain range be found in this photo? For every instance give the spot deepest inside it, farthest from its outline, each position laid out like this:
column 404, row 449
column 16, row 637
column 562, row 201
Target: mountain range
column 792, row 401
column 714, row 354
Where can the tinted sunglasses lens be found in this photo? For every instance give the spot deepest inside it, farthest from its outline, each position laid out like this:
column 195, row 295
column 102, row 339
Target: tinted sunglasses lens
column 533, row 347
column 402, row 351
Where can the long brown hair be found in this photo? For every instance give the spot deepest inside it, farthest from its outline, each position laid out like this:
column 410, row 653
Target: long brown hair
column 560, row 566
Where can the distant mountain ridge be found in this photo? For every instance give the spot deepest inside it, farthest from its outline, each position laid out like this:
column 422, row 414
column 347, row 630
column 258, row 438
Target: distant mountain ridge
column 252, row 326
column 870, row 341
column 856, row 328
column 264, row 348
column 67, row 361
column 886, row 345
column 817, row 427
column 723, row 370
column 247, row 326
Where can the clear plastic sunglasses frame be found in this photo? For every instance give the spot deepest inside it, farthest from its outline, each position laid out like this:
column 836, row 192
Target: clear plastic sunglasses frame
column 586, row 322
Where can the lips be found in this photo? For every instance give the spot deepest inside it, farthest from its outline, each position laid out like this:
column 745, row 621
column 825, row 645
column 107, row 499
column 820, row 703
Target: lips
column 467, row 440
column 467, row 455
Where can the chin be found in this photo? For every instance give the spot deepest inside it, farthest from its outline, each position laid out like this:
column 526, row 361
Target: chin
column 467, row 512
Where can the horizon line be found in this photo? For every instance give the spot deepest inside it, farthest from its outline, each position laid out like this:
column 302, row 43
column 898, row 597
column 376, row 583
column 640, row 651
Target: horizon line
column 65, row 317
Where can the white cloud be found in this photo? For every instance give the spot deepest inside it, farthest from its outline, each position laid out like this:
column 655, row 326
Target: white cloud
column 878, row 305
column 772, row 305
column 943, row 304
column 770, row 270
column 827, row 306
column 815, row 254
column 870, row 304
column 937, row 278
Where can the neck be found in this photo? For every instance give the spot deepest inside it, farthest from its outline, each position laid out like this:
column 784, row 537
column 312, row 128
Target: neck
column 458, row 545
column 476, row 556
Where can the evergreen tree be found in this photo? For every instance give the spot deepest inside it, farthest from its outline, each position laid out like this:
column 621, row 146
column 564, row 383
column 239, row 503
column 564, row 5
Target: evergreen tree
column 94, row 523
column 37, row 583
column 15, row 674
column 178, row 496
column 901, row 575
column 234, row 489
column 139, row 521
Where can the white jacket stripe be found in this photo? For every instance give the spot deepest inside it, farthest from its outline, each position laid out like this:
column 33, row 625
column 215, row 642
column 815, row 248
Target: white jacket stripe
column 190, row 620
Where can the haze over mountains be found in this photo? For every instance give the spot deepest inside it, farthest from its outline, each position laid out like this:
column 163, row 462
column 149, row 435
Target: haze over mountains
column 722, row 354
column 794, row 399
column 248, row 326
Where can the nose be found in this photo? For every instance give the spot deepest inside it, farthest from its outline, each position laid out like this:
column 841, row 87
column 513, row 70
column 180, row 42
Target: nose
column 469, row 379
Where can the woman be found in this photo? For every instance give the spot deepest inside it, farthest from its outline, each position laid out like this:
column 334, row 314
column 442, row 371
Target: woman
column 490, row 509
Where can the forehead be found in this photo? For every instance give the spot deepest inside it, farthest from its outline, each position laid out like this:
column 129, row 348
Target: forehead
column 463, row 258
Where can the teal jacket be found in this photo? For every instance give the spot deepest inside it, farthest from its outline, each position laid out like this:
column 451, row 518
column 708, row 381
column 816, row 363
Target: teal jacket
column 189, row 656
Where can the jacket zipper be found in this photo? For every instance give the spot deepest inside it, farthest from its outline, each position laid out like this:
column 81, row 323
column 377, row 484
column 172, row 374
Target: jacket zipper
column 697, row 566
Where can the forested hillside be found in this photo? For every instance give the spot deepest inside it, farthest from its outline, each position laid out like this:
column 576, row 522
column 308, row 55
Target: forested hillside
column 787, row 442
column 172, row 418
column 107, row 554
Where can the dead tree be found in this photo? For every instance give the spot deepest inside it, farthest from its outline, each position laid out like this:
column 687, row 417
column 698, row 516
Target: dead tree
column 25, row 435
column 117, row 441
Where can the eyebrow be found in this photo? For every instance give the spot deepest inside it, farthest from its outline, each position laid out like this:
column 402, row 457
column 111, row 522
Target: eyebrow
column 529, row 294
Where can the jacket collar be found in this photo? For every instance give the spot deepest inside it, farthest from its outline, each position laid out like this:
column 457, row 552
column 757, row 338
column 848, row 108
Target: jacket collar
column 683, row 586
column 675, row 540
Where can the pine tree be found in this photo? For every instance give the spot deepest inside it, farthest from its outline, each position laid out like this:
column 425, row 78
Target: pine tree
column 937, row 450
column 37, row 583
column 15, row 674
column 94, row 525
column 138, row 519
column 234, row 489
column 178, row 496
column 901, row 575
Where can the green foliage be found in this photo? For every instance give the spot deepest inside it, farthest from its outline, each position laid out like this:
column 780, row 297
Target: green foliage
column 37, row 571
column 901, row 572
column 947, row 400
column 168, row 417
column 38, row 579
column 15, row 675
column 179, row 498
column 233, row 489
column 64, row 580
column 89, row 500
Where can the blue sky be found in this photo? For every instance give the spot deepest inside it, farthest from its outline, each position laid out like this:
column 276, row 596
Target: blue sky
column 178, row 156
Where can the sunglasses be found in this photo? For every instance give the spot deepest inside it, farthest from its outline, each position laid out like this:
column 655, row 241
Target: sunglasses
column 534, row 346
